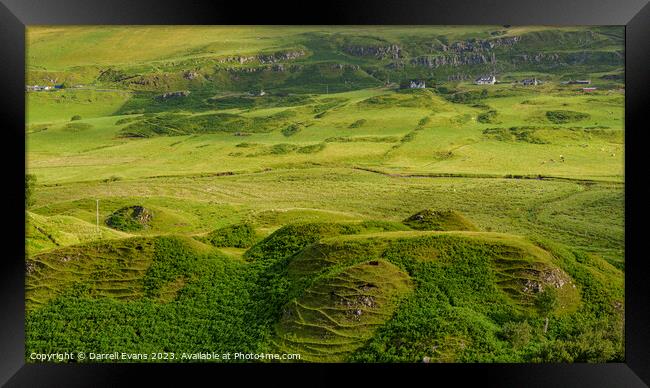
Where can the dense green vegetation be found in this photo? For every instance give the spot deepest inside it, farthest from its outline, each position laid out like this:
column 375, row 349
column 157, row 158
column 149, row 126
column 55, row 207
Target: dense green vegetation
column 284, row 190
column 237, row 236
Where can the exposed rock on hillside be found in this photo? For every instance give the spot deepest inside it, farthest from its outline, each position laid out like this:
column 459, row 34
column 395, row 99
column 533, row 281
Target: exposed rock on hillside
column 264, row 58
column 438, row 220
column 183, row 93
column 130, row 218
column 381, row 52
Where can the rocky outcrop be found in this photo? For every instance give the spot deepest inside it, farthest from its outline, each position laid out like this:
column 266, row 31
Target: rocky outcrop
column 190, row 75
column 345, row 66
column 281, row 56
column 478, row 45
column 165, row 96
column 454, row 60
column 392, row 51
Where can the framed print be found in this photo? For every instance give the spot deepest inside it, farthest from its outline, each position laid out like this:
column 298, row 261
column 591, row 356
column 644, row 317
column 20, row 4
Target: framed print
column 380, row 190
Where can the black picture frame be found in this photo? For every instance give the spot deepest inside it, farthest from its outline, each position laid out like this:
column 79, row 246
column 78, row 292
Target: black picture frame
column 15, row 15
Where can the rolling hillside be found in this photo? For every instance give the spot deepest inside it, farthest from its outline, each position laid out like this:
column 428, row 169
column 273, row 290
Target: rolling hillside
column 283, row 190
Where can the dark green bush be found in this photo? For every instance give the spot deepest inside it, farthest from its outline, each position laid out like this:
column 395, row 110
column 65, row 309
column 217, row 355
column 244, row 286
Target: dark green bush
column 565, row 116
column 238, row 236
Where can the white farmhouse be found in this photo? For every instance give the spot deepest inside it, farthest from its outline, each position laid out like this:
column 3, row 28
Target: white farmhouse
column 486, row 80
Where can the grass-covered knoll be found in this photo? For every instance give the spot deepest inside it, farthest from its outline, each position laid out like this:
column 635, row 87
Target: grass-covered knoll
column 236, row 236
column 189, row 298
column 290, row 239
column 339, row 312
column 112, row 268
column 429, row 219
column 333, row 292
column 509, row 277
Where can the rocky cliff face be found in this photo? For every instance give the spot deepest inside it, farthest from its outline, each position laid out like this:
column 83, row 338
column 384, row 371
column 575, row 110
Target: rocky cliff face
column 454, row 60
column 478, row 45
column 380, row 52
column 282, row 56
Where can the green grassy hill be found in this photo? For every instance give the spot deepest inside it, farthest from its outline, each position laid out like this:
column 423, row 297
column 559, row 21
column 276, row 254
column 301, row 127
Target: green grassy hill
column 282, row 190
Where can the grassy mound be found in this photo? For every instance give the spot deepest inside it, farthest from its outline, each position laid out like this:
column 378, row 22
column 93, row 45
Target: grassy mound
column 125, row 269
column 439, row 220
column 130, row 218
column 338, row 313
column 236, row 236
column 99, row 269
column 292, row 238
column 345, row 287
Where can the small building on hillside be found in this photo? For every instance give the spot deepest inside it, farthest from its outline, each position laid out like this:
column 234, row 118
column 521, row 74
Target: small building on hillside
column 486, row 80
column 37, row 88
column 578, row 82
column 417, row 84
column 532, row 81
column 591, row 89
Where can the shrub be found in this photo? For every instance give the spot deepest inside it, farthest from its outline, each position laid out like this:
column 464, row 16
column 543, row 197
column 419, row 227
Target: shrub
column 291, row 130
column 518, row 334
column 487, row 117
column 237, row 236
column 311, row 149
column 546, row 301
column 75, row 117
column 565, row 116
column 358, row 123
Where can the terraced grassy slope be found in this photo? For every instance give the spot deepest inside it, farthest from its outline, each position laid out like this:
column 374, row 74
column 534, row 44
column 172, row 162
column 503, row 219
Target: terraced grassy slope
column 338, row 313
column 282, row 190
column 342, row 304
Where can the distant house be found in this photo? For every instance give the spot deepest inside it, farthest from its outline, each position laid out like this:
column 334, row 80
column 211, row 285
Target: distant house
column 37, row 88
column 417, row 84
column 578, row 82
column 533, row 81
column 589, row 89
column 486, row 80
